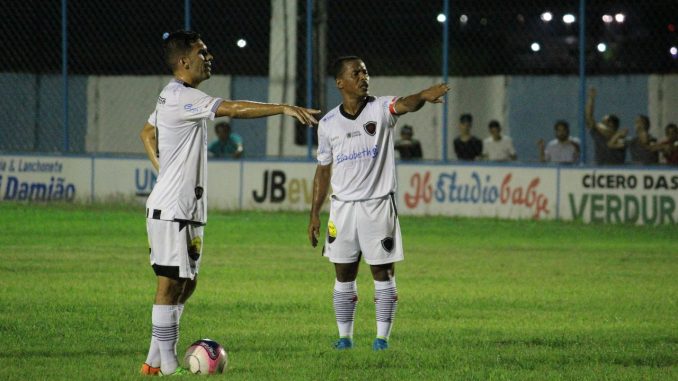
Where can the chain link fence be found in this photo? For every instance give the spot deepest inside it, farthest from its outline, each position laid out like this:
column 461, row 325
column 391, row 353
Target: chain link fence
column 82, row 76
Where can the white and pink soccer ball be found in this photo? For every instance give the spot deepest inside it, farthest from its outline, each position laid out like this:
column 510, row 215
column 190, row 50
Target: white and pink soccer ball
column 205, row 357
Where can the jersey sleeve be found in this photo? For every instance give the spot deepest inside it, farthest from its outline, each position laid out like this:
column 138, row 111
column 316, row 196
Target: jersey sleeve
column 388, row 109
column 196, row 105
column 153, row 118
column 324, row 146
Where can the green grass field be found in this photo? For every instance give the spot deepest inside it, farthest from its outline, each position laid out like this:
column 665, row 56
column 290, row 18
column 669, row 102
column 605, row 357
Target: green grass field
column 480, row 299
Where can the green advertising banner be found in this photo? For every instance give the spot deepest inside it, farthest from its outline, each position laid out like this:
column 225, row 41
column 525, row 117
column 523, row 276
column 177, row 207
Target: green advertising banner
column 633, row 196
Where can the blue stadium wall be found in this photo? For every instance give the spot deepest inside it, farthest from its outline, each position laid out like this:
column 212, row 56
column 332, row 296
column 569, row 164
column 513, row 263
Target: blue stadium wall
column 533, row 104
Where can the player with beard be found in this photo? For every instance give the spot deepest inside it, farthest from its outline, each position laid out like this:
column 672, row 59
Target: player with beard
column 175, row 139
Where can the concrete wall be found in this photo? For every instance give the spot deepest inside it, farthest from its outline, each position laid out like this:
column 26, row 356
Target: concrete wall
column 32, row 112
column 106, row 113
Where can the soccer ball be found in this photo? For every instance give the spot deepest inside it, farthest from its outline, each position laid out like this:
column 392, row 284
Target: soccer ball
column 206, row 357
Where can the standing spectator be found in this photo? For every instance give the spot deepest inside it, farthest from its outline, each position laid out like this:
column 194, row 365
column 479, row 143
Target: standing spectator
column 669, row 145
column 466, row 146
column 408, row 148
column 563, row 149
column 606, row 152
column 498, row 147
column 228, row 144
column 642, row 147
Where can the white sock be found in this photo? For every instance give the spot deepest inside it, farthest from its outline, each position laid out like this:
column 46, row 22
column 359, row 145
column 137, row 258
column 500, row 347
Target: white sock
column 345, row 299
column 180, row 311
column 153, row 357
column 386, row 301
column 166, row 333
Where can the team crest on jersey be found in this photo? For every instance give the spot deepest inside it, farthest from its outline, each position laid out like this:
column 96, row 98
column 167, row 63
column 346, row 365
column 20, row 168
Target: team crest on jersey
column 387, row 244
column 331, row 232
column 370, row 128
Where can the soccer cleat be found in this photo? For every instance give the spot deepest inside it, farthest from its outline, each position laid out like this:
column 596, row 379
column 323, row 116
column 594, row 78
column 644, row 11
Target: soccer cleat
column 148, row 370
column 379, row 344
column 178, row 372
column 343, row 343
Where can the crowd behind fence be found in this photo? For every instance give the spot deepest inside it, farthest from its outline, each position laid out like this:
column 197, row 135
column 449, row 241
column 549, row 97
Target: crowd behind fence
column 82, row 76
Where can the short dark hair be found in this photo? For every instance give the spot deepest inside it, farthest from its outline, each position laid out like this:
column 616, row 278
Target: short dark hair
column 221, row 125
column 646, row 121
column 614, row 119
column 562, row 123
column 466, row 118
column 494, row 124
column 671, row 126
column 176, row 44
column 338, row 64
column 406, row 129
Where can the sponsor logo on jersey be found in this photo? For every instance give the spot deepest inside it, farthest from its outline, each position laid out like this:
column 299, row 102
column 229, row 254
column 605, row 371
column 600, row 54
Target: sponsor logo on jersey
column 161, row 100
column 353, row 134
column 189, row 107
column 367, row 152
column 370, row 128
column 198, row 192
column 331, row 232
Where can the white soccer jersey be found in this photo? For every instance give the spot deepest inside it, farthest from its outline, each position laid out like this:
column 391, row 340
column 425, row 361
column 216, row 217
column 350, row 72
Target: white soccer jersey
column 180, row 119
column 360, row 149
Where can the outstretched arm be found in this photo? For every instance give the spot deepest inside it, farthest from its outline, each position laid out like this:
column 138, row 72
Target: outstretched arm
column 416, row 101
column 248, row 110
column 321, row 183
column 150, row 144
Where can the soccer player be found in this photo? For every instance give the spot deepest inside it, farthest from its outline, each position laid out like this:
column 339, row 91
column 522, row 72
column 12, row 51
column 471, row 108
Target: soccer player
column 175, row 139
column 355, row 153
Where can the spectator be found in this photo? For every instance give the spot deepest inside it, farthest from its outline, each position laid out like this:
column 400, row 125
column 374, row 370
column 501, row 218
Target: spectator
column 563, row 149
column 669, row 145
column 606, row 152
column 466, row 146
column 643, row 147
column 498, row 147
column 408, row 148
column 228, row 145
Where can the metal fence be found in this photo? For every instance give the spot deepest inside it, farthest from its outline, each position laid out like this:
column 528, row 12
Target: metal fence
column 79, row 75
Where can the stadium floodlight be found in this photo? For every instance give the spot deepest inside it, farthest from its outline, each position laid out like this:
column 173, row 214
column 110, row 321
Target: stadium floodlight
column 602, row 47
column 546, row 16
column 607, row 19
column 674, row 51
column 463, row 19
column 241, row 43
column 619, row 17
column 441, row 18
column 535, row 47
column 569, row 18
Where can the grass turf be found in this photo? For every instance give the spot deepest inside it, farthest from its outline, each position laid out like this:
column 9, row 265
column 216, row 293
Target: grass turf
column 480, row 299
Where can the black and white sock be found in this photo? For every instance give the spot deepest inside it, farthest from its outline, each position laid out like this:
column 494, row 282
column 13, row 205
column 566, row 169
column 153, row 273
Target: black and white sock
column 345, row 300
column 386, row 301
column 166, row 333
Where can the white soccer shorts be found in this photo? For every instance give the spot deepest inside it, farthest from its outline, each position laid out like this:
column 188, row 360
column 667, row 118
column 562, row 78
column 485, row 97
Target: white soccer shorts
column 368, row 227
column 176, row 248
